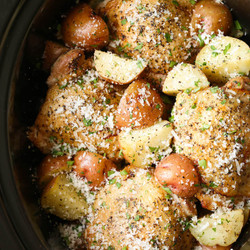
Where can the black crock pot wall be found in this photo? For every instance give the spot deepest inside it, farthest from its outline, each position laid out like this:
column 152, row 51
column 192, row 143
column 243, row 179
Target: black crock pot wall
column 22, row 226
column 22, row 92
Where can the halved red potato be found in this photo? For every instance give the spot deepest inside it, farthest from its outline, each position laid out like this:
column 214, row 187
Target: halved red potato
column 179, row 174
column 51, row 52
column 144, row 146
column 140, row 106
column 52, row 166
column 216, row 247
column 211, row 17
column 116, row 69
column 93, row 167
column 224, row 58
column 66, row 67
column 212, row 201
column 62, row 199
column 84, row 29
column 184, row 77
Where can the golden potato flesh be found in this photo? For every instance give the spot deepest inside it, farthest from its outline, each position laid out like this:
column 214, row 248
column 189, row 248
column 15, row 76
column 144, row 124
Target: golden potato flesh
column 84, row 29
column 212, row 129
column 155, row 30
column 80, row 114
column 132, row 211
column 51, row 52
column 62, row 199
column 178, row 173
column 212, row 201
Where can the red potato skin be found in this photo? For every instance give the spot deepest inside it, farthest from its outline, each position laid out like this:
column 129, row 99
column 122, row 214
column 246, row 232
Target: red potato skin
column 93, row 167
column 51, row 165
column 137, row 110
column 84, row 29
column 51, row 52
column 71, row 62
column 216, row 247
column 211, row 16
column 179, row 174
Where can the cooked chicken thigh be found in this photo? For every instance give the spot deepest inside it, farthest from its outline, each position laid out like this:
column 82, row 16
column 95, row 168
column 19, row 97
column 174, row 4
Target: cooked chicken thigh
column 156, row 30
column 79, row 114
column 212, row 129
column 134, row 211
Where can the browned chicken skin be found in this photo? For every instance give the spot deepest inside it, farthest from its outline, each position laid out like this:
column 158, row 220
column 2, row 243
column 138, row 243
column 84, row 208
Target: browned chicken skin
column 157, row 31
column 79, row 114
column 212, row 129
column 134, row 212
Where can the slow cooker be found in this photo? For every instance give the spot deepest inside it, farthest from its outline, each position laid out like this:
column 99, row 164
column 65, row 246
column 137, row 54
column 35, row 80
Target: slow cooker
column 24, row 26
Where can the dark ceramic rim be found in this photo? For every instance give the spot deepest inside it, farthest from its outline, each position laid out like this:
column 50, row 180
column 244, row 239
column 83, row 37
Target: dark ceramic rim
column 16, row 227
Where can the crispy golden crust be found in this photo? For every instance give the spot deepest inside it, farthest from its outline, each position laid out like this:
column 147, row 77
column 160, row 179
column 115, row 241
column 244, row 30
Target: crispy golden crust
column 137, row 215
column 212, row 128
column 157, row 31
column 80, row 114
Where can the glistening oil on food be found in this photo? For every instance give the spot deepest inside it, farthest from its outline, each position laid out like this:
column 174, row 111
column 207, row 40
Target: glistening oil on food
column 145, row 126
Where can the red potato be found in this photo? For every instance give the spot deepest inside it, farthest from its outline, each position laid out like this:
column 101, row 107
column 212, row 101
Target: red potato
column 210, row 16
column 72, row 62
column 216, row 247
column 92, row 166
column 140, row 106
column 84, row 29
column 179, row 174
column 52, row 166
column 51, row 52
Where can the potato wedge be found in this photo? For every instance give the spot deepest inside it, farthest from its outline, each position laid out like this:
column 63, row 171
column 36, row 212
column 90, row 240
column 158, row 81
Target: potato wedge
column 220, row 228
column 184, row 76
column 224, row 58
column 117, row 69
column 143, row 147
column 61, row 199
column 52, row 166
column 140, row 106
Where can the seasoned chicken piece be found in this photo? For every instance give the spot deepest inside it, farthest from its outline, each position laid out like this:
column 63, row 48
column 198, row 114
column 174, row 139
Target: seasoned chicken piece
column 212, row 129
column 79, row 114
column 155, row 30
column 135, row 212
column 212, row 201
